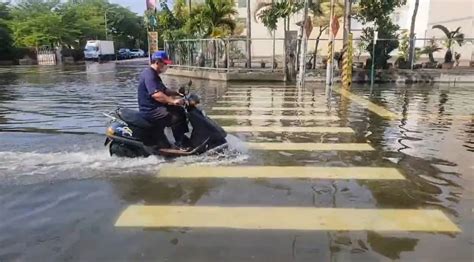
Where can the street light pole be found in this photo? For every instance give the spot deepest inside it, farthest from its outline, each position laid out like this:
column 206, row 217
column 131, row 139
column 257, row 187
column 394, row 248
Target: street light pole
column 105, row 19
column 249, row 36
column 347, row 20
column 372, row 73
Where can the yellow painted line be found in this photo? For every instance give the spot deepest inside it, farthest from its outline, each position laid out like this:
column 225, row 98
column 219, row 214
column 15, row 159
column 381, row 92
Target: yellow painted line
column 379, row 110
column 102, row 72
column 442, row 117
column 289, row 129
column 301, row 109
column 270, row 102
column 285, row 218
column 366, row 173
column 266, row 97
column 275, row 118
column 310, row 146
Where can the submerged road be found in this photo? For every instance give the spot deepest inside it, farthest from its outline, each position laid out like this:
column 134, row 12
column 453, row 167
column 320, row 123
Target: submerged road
column 347, row 176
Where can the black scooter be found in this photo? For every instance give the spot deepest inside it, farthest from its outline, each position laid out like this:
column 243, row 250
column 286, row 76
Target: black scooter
column 127, row 129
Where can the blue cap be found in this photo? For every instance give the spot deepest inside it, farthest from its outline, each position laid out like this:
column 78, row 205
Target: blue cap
column 163, row 56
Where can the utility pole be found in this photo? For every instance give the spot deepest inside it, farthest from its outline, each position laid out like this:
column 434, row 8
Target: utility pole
column 105, row 24
column 347, row 19
column 346, row 76
column 304, row 45
column 249, row 36
column 331, row 49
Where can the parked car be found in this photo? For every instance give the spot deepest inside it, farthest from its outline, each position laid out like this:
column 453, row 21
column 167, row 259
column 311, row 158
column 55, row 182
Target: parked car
column 137, row 53
column 124, row 53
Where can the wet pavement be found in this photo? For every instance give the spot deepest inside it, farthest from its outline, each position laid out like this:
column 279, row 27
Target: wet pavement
column 316, row 177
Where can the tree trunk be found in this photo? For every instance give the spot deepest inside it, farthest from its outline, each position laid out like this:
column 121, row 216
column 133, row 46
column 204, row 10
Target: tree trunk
column 411, row 49
column 315, row 54
column 431, row 57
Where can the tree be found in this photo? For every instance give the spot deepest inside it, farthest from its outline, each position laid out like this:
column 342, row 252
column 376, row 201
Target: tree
column 5, row 33
column 321, row 12
column 35, row 23
column 377, row 13
column 451, row 37
column 411, row 53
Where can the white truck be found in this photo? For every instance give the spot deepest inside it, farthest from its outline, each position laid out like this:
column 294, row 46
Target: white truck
column 99, row 50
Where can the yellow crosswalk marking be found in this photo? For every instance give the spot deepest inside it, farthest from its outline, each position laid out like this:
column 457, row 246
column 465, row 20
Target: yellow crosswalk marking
column 275, row 118
column 269, row 102
column 379, row 110
column 245, row 108
column 261, row 97
column 289, row 129
column 293, row 172
column 286, row 146
column 285, row 218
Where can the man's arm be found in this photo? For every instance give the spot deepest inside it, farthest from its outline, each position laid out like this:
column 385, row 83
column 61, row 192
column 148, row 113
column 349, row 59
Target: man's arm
column 158, row 91
column 165, row 99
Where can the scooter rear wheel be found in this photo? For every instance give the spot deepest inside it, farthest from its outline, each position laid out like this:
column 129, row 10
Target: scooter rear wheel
column 122, row 150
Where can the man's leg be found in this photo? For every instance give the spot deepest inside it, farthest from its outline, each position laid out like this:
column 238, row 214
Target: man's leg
column 177, row 122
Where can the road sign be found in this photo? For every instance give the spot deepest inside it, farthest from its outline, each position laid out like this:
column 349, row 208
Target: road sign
column 308, row 26
column 335, row 25
column 152, row 42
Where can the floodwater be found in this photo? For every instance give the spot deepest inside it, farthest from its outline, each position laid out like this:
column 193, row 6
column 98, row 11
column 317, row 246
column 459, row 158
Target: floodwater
column 61, row 193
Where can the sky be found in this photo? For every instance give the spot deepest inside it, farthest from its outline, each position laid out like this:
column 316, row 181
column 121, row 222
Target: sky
column 137, row 6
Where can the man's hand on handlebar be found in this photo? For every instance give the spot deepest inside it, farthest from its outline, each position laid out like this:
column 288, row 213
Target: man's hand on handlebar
column 178, row 102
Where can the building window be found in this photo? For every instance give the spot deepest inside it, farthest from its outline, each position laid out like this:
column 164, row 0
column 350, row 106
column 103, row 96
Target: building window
column 242, row 3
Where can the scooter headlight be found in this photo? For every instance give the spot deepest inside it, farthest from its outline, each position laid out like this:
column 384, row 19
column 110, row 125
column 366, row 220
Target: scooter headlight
column 110, row 131
column 194, row 99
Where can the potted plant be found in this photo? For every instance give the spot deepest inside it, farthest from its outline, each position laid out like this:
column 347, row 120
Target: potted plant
column 262, row 64
column 451, row 37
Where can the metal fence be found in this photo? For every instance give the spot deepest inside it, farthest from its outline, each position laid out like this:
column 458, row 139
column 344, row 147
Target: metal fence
column 269, row 54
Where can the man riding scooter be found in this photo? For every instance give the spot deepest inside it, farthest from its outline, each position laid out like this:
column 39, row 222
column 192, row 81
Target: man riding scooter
column 160, row 106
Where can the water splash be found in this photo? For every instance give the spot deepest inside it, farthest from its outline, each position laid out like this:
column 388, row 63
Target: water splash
column 37, row 167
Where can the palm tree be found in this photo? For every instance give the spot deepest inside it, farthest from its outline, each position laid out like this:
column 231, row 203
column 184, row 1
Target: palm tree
column 270, row 12
column 215, row 19
column 218, row 17
column 451, row 37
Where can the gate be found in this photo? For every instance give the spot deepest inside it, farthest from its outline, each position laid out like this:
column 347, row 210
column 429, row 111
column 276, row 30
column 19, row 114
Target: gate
column 46, row 56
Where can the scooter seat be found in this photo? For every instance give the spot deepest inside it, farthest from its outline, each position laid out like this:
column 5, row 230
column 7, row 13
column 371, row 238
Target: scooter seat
column 133, row 118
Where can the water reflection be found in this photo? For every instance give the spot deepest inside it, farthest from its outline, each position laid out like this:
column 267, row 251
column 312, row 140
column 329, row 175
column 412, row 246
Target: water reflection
column 162, row 192
column 390, row 247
